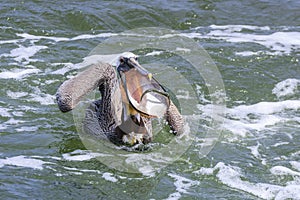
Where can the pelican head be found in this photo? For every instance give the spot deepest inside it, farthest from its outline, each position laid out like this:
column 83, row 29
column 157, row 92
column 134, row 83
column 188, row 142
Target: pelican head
column 143, row 97
column 128, row 61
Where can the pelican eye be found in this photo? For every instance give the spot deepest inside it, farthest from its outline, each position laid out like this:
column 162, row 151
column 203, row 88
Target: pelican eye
column 122, row 60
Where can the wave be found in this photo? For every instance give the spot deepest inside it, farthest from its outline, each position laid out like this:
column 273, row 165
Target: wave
column 288, row 88
column 274, row 40
column 23, row 54
column 18, row 73
column 245, row 119
column 233, row 177
column 269, row 37
column 23, row 161
column 182, row 184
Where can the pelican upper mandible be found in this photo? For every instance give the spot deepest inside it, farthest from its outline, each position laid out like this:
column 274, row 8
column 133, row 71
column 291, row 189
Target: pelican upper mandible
column 130, row 99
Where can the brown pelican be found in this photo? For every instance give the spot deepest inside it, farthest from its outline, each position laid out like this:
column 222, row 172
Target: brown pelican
column 130, row 99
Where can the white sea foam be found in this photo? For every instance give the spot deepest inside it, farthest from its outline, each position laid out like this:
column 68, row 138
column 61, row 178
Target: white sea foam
column 69, row 157
column 17, row 113
column 81, row 155
column 38, row 96
column 9, row 41
column 232, row 177
column 147, row 164
column 71, row 170
column 13, row 121
column 280, row 144
column 27, row 108
column 78, row 157
column 190, row 35
column 252, row 53
column 276, row 41
column 289, row 192
column 16, row 95
column 243, row 119
column 255, row 152
column 77, row 171
column 2, row 127
column 67, row 67
column 184, row 94
column 88, row 36
column 182, row 184
column 18, row 73
column 239, row 27
column 295, row 165
column 281, row 170
column 48, row 82
column 4, row 112
column 287, row 88
column 292, row 188
column 154, row 53
column 109, row 177
column 265, row 108
column 182, row 49
column 82, row 170
column 27, row 36
column 23, row 54
column 106, row 175
column 43, row 99
column 27, row 129
column 247, row 53
column 87, row 61
column 23, row 161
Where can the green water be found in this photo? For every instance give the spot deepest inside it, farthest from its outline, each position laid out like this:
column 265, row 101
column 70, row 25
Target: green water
column 254, row 44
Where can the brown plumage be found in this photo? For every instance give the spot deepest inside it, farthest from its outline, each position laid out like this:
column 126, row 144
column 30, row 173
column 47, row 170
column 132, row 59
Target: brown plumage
column 105, row 117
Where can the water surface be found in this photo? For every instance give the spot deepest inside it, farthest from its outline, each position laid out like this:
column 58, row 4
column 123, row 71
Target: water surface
column 255, row 45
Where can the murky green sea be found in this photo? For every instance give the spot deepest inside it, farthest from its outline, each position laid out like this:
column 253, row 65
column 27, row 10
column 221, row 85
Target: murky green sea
column 254, row 44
